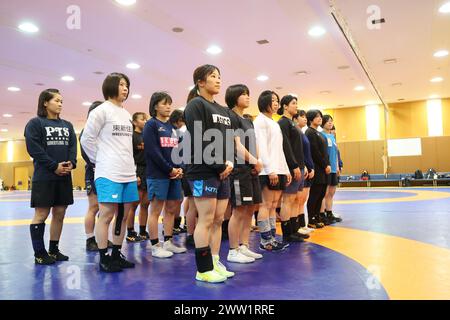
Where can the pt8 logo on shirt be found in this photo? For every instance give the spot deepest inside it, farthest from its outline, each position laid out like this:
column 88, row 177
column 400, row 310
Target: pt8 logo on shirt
column 57, row 136
column 167, row 142
column 217, row 118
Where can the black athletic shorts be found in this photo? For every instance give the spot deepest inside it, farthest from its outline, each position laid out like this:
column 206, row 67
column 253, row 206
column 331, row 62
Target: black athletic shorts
column 210, row 188
column 332, row 179
column 245, row 188
column 187, row 192
column 281, row 185
column 46, row 194
column 90, row 187
column 141, row 173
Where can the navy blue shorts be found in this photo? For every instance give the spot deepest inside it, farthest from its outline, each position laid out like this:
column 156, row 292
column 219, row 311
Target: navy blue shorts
column 164, row 189
column 210, row 188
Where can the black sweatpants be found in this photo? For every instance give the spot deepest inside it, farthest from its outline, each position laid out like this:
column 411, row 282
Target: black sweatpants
column 316, row 195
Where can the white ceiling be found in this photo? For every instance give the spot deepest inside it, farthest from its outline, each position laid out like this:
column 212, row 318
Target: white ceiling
column 112, row 36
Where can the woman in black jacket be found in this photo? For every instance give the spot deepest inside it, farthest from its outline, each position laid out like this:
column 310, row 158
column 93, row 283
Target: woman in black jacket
column 321, row 165
column 51, row 142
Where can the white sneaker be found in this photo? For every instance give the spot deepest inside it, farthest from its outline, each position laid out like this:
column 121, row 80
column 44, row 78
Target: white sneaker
column 170, row 246
column 235, row 255
column 304, row 231
column 220, row 268
column 310, row 230
column 159, row 252
column 247, row 252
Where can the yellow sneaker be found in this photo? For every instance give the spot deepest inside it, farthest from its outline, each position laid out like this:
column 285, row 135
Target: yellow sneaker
column 220, row 268
column 210, row 276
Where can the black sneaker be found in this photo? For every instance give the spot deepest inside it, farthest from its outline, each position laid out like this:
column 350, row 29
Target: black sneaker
column 313, row 223
column 91, row 245
column 144, row 236
column 272, row 246
column 44, row 259
column 332, row 217
column 124, row 263
column 190, row 241
column 133, row 237
column 58, row 256
column 324, row 219
column 110, row 265
column 300, row 236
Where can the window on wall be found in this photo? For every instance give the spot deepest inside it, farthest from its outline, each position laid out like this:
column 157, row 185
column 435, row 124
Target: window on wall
column 434, row 115
column 373, row 122
column 10, row 151
column 404, row 147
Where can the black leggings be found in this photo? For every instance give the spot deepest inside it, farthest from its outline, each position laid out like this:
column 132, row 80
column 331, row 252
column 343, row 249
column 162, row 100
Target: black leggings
column 316, row 195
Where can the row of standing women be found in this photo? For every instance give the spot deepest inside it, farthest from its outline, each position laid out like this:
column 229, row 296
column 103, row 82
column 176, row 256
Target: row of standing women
column 221, row 156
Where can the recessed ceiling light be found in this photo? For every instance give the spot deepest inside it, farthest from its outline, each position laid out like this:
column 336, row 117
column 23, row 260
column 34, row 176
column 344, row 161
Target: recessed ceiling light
column 67, row 78
column 28, row 27
column 214, row 50
column 133, row 66
column 343, row 67
column 445, row 8
column 4, row 130
column 316, row 31
column 437, row 79
column 87, row 104
column 126, row 2
column 397, row 84
column 177, row 29
column 262, row 78
column 264, row 41
column 13, row 89
column 359, row 88
column 136, row 96
column 440, row 53
column 7, row 115
column 389, row 61
column 301, row 73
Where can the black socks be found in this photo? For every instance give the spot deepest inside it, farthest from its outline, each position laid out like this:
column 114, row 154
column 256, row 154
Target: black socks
column 286, row 228
column 142, row 229
column 167, row 238
column 203, row 259
column 53, row 246
column 115, row 255
column 177, row 222
column 154, row 241
column 103, row 255
column 37, row 238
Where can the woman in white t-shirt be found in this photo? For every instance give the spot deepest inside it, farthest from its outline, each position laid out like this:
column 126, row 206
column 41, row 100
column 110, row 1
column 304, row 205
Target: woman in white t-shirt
column 107, row 141
column 275, row 175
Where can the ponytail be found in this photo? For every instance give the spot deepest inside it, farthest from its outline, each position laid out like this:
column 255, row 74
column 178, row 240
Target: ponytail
column 193, row 93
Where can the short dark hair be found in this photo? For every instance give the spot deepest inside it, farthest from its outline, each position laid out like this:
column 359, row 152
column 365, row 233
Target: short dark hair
column 156, row 98
column 285, row 102
column 137, row 114
column 110, row 87
column 94, row 105
column 326, row 118
column 45, row 96
column 312, row 114
column 200, row 74
column 176, row 115
column 233, row 93
column 265, row 100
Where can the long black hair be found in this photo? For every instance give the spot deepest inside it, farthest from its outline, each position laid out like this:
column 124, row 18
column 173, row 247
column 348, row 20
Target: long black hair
column 45, row 96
